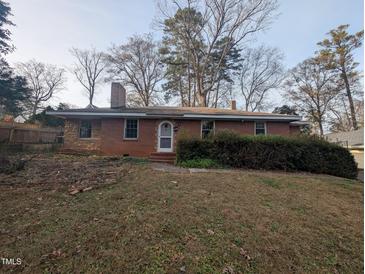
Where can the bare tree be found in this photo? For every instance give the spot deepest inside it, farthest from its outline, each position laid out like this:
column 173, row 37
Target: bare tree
column 341, row 119
column 138, row 65
column 261, row 71
column 312, row 88
column 224, row 24
column 88, row 69
column 221, row 96
column 44, row 80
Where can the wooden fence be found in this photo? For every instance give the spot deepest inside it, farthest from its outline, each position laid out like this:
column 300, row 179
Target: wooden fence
column 18, row 133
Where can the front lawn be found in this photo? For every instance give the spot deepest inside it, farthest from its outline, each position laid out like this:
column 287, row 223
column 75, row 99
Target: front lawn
column 137, row 220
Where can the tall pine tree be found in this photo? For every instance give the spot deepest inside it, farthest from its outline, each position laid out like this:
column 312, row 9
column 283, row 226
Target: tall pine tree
column 337, row 52
column 183, row 48
column 13, row 88
column 5, row 44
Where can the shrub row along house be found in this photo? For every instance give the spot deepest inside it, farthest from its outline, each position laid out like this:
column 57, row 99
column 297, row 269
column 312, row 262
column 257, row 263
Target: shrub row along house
column 152, row 131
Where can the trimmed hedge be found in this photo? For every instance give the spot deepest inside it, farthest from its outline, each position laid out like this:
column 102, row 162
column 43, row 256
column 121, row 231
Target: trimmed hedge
column 271, row 153
column 200, row 163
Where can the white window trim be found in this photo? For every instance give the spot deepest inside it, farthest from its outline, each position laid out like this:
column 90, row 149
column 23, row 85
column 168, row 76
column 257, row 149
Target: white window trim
column 79, row 131
column 125, row 126
column 159, row 149
column 265, row 127
column 201, row 127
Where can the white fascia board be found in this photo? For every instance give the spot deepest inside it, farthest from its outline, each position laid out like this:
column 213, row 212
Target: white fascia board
column 186, row 116
column 243, row 117
column 109, row 114
column 300, row 123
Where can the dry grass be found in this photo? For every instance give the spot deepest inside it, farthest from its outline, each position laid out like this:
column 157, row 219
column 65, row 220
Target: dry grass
column 145, row 221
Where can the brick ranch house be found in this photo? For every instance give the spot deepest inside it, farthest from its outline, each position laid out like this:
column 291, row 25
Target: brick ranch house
column 152, row 131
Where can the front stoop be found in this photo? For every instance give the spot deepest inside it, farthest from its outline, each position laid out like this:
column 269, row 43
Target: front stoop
column 163, row 157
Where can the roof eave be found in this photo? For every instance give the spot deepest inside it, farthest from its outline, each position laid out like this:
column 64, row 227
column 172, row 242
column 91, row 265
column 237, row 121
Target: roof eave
column 63, row 114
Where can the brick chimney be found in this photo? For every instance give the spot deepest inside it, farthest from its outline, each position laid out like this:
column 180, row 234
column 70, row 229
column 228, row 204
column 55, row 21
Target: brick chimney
column 118, row 96
column 233, row 105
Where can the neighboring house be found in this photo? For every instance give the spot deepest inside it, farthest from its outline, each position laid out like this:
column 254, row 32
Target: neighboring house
column 142, row 131
column 353, row 140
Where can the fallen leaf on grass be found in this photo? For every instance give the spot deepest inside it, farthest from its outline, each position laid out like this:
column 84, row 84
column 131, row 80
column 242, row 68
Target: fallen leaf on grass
column 87, row 188
column 228, row 270
column 57, row 253
column 244, row 253
column 53, row 254
column 73, row 192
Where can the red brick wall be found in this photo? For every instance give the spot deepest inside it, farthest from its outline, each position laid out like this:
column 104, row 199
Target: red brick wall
column 244, row 128
column 72, row 140
column 190, row 128
column 114, row 144
column 278, row 128
column 294, row 130
column 107, row 134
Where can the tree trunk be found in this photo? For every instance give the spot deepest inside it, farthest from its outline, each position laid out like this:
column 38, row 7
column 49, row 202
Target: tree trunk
column 35, row 108
column 189, row 83
column 194, row 95
column 202, row 96
column 351, row 102
column 200, row 90
column 182, row 94
column 147, row 103
column 247, row 103
column 91, row 95
column 320, row 128
column 216, row 95
column 201, row 99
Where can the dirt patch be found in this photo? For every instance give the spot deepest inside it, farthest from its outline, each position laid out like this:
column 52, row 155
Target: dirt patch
column 11, row 164
column 168, row 168
column 71, row 172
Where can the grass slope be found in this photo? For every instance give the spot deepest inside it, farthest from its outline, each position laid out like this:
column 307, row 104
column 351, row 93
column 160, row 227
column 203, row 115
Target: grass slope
column 153, row 222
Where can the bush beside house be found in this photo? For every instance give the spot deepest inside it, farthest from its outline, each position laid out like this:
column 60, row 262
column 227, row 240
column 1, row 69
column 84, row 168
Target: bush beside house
column 270, row 153
column 200, row 163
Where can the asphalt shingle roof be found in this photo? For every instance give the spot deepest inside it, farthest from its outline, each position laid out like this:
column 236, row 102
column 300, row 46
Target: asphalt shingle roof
column 173, row 111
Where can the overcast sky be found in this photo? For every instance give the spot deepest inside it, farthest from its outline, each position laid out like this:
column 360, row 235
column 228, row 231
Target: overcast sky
column 46, row 30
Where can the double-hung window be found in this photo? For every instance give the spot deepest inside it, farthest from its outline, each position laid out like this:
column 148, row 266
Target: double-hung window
column 85, row 129
column 207, row 128
column 131, row 129
column 260, row 128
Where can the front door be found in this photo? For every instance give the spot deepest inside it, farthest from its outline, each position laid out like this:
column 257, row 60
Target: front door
column 165, row 137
